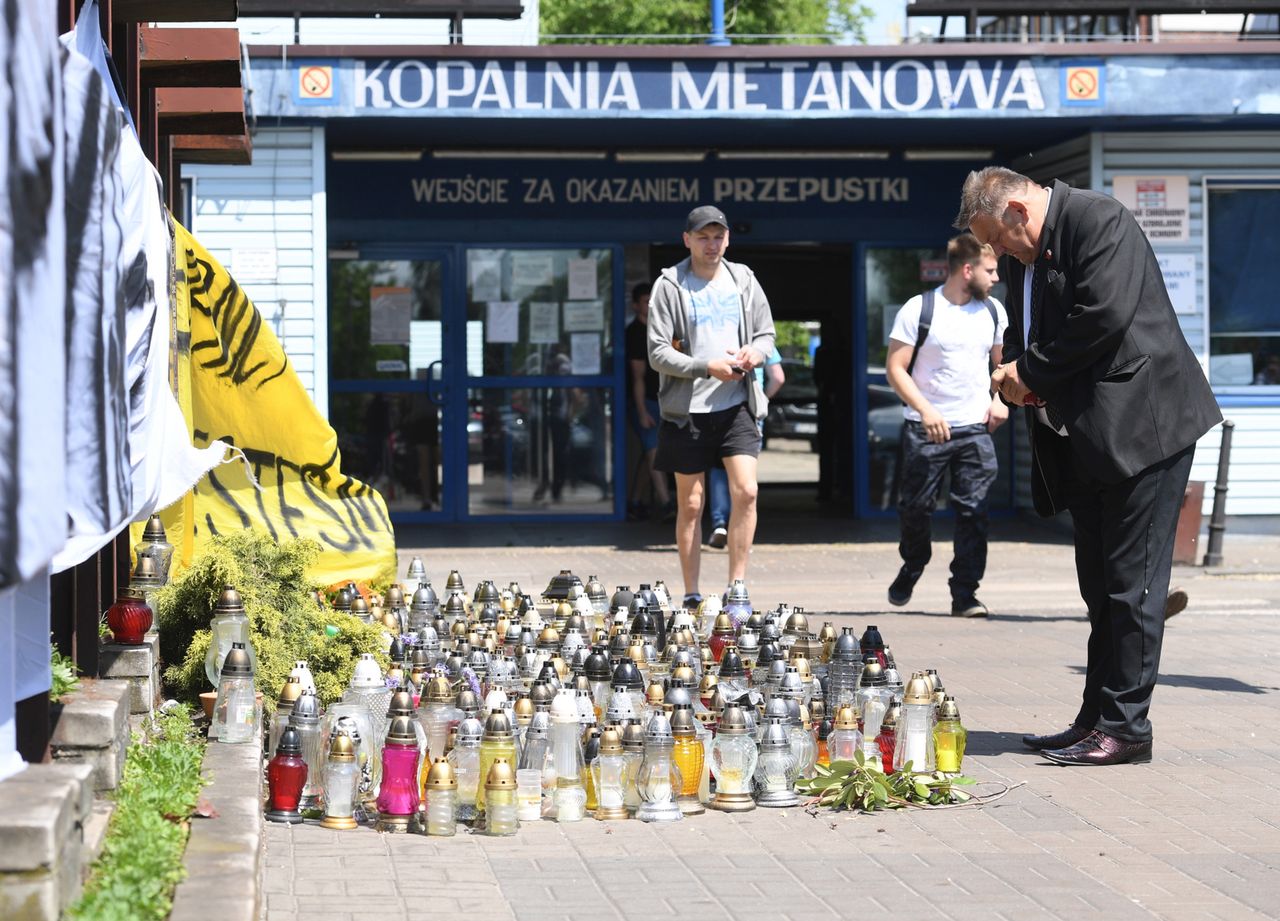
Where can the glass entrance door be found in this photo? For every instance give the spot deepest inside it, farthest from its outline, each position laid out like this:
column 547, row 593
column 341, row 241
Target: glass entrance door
column 541, row 435
column 388, row 397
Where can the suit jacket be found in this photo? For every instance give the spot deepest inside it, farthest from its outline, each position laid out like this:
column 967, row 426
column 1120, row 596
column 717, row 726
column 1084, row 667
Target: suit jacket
column 1109, row 354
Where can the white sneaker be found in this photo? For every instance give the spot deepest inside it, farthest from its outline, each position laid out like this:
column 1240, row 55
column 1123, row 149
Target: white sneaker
column 719, row 537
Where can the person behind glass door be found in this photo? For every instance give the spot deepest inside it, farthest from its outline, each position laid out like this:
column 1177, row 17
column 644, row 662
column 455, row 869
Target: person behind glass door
column 771, row 377
column 642, row 412
column 710, row 327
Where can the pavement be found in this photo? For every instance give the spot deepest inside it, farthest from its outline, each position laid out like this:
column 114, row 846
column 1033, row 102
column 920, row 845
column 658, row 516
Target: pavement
column 1192, row 836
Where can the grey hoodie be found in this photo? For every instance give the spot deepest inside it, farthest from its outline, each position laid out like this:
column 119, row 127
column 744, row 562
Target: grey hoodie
column 670, row 352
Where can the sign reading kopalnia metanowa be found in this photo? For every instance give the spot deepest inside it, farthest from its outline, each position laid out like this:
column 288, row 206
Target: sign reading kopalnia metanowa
column 942, row 85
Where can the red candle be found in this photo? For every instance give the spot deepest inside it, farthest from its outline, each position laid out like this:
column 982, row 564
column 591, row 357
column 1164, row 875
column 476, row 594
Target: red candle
column 286, row 776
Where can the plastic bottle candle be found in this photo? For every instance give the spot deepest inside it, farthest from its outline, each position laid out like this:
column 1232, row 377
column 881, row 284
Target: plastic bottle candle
column 398, row 795
column 845, row 740
column 733, row 762
column 949, row 738
column 286, row 776
column 235, row 711
column 688, row 755
column 442, row 799
column 498, row 741
column 915, row 728
column 341, row 783
column 566, row 745
column 501, row 809
column 633, row 755
column 659, row 778
column 609, row 775
column 776, row 768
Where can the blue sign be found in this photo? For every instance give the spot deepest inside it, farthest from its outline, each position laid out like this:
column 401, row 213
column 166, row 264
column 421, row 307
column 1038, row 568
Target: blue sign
column 805, row 87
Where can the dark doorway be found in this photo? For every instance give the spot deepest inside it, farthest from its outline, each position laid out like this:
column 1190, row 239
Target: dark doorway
column 807, row 463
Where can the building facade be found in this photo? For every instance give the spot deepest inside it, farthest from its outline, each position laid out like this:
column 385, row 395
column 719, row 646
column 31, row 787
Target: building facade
column 445, row 238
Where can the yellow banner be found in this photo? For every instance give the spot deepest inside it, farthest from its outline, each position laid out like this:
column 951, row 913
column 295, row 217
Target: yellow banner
column 235, row 384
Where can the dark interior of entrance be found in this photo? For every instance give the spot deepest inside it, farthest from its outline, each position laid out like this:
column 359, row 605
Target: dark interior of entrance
column 807, row 463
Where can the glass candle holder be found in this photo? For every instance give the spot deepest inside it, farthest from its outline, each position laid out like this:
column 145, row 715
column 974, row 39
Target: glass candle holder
column 914, row 737
column 464, row 758
column 659, row 778
column 733, row 762
column 442, row 800
column 776, row 768
column 689, row 757
column 529, row 794
column 398, row 795
column 341, row 783
column 501, row 807
column 286, row 775
column 949, row 737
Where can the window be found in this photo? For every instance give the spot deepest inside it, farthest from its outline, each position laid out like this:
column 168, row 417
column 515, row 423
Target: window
column 1244, row 324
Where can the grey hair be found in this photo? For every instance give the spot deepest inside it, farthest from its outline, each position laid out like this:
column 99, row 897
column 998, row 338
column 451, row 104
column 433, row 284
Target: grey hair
column 987, row 192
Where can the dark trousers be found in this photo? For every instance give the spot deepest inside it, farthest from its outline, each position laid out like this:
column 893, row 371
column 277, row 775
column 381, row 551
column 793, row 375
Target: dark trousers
column 970, row 455
column 1124, row 551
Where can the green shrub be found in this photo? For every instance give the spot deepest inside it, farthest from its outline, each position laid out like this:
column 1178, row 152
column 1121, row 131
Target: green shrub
column 285, row 622
column 141, row 861
column 64, row 674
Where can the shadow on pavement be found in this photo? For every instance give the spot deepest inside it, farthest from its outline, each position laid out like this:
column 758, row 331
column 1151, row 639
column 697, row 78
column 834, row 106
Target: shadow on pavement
column 985, row 742
column 1205, row 683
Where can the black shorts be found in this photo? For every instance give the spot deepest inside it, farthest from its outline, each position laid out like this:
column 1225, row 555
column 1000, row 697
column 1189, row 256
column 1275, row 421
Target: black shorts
column 699, row 446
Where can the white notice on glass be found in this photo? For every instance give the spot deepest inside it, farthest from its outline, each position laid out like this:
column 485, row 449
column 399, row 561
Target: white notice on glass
column 502, row 322
column 1179, row 271
column 584, row 353
column 583, row 316
column 582, row 280
column 390, row 312
column 485, row 279
column 544, row 322
column 532, row 270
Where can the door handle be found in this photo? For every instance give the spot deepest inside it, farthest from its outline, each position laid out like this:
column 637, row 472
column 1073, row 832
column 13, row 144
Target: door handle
column 435, row 394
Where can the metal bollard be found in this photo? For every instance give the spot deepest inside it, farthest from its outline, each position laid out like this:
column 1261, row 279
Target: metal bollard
column 1218, row 522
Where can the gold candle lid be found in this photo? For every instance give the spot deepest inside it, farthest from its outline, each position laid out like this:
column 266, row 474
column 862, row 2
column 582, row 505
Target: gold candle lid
column 341, row 748
column 917, row 690
column 610, row 741
column 846, row 717
column 441, row 776
column 948, row 710
column 290, row 691
column 501, row 777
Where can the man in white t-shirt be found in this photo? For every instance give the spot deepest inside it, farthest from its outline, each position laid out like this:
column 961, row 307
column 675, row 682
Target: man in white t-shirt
column 942, row 371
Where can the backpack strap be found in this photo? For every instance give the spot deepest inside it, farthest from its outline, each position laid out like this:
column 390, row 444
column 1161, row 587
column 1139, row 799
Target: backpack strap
column 922, row 329
column 995, row 317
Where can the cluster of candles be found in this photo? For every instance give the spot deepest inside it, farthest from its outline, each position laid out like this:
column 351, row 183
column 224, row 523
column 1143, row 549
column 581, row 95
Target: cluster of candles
column 499, row 710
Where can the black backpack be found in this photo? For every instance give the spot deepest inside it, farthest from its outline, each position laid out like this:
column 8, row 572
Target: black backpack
column 926, row 320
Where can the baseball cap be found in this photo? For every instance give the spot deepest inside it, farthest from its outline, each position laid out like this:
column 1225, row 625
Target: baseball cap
column 702, row 216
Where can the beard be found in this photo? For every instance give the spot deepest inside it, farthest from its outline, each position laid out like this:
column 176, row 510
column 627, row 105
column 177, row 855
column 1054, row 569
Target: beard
column 977, row 292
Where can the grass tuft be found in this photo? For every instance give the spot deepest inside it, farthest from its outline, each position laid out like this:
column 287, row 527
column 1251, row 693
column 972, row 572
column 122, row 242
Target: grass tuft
column 141, row 861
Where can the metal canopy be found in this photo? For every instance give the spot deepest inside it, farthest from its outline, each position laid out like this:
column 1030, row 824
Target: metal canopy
column 402, row 9
column 1078, row 7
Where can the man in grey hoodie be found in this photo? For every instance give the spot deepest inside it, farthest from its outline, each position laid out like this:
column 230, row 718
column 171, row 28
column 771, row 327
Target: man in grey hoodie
column 709, row 328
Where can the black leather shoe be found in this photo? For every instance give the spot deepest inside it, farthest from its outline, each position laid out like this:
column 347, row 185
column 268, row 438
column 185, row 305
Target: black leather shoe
column 1098, row 748
column 903, row 584
column 1068, row 737
column 1175, row 603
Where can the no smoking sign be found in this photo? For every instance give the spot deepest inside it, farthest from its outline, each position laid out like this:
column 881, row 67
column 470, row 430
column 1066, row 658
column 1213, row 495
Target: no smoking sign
column 315, row 81
column 1082, row 84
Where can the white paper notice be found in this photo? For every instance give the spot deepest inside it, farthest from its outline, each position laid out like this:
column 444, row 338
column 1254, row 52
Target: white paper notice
column 583, row 316
column 502, row 322
column 485, row 276
column 584, row 353
column 532, row 270
column 390, row 311
column 582, row 280
column 1179, row 271
column 1161, row 205
column 544, row 322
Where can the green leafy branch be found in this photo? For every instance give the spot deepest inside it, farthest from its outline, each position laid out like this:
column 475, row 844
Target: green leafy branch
column 862, row 785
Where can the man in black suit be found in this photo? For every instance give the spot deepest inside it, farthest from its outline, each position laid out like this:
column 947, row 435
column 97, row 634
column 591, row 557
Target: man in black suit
column 1116, row 401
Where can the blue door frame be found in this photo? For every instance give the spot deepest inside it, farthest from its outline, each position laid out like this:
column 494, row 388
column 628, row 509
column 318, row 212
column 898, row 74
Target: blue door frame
column 450, row 392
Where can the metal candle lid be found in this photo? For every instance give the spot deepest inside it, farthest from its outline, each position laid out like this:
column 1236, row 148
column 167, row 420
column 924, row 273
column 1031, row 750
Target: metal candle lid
column 776, row 737
column 621, row 598
column 289, row 693
column 724, row 625
column 633, row 737
column 501, row 776
column 359, row 607
column 659, row 730
column 846, row 648
column 610, row 741
column 441, row 776
column 626, row 674
column 523, row 709
column 237, row 663
column 306, row 709
column 402, row 732
column 873, row 675
column 846, row 717
column 290, row 742
column 470, row 731
column 154, row 531
column 417, row 571
column 341, row 748
column 797, row 624
column 487, row 593
column 468, row 701
column 731, row 665
column 401, row 704
column 341, row 600
column 948, row 710
column 498, row 726
column 439, row 691
column 891, row 717
column 917, row 691
column 454, row 582
column 229, row 602
column 597, row 665
column 683, row 724
column 733, row 721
